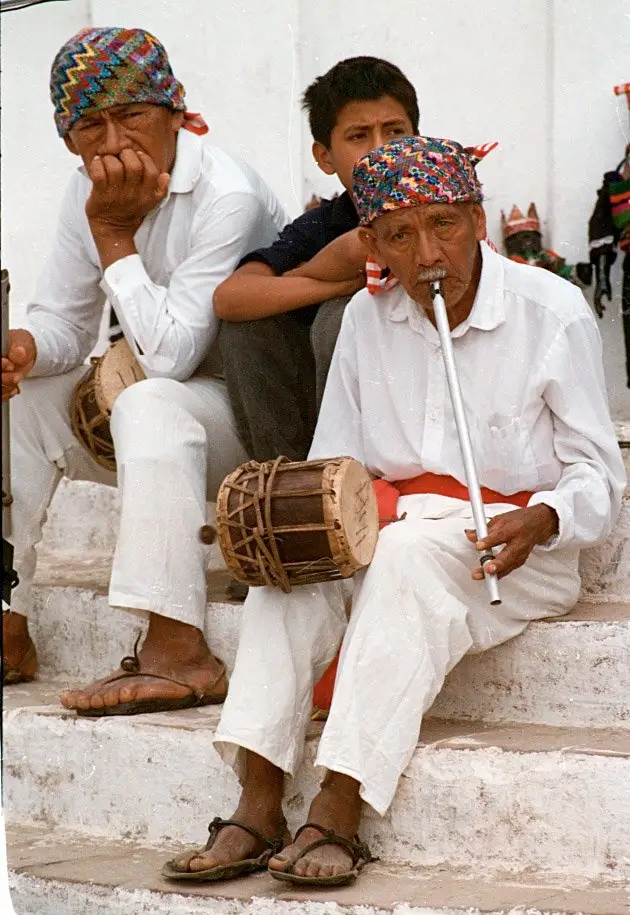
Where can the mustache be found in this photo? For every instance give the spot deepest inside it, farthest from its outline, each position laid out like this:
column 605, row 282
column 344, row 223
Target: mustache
column 431, row 274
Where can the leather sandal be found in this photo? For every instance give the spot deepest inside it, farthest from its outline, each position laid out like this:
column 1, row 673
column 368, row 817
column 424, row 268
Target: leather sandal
column 174, row 871
column 358, row 850
column 131, row 668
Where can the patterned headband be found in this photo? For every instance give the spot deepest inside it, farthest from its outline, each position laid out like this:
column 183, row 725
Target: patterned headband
column 415, row 170
column 99, row 68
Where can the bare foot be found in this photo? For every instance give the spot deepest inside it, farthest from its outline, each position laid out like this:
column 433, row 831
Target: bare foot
column 336, row 807
column 260, row 808
column 19, row 659
column 233, row 844
column 171, row 649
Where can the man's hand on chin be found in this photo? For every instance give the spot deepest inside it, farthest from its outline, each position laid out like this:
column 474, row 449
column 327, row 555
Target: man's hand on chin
column 518, row 532
column 125, row 189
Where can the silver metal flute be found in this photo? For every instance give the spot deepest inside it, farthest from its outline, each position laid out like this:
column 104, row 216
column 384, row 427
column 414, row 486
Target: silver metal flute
column 7, row 498
column 472, row 481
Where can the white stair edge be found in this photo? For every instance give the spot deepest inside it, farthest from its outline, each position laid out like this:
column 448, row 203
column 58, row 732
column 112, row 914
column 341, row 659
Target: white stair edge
column 502, row 797
column 79, row 875
column 537, row 678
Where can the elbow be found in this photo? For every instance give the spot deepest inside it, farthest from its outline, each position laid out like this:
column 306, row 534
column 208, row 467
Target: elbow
column 221, row 301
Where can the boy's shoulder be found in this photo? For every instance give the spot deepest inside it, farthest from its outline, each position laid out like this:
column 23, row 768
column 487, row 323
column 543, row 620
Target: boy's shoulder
column 336, row 214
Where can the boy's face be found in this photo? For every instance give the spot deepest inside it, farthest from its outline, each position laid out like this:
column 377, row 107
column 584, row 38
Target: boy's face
column 360, row 128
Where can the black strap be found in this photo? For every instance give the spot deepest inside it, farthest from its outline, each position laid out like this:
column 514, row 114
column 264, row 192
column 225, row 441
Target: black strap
column 356, row 847
column 219, row 823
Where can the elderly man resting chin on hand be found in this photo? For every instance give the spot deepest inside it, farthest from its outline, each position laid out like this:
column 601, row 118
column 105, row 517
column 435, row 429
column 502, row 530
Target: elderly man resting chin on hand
column 529, row 361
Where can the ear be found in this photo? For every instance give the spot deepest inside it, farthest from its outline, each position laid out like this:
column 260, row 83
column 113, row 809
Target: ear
column 367, row 237
column 70, row 145
column 177, row 120
column 479, row 219
column 322, row 157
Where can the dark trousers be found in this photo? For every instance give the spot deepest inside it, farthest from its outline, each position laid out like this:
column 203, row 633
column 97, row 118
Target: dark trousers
column 276, row 370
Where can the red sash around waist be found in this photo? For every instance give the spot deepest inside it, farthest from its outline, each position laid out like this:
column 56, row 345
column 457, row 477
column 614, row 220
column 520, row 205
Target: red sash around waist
column 387, row 495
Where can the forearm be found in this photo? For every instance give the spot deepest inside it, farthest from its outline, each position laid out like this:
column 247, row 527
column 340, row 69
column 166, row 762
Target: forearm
column 111, row 245
column 328, row 267
column 61, row 343
column 248, row 297
column 586, row 504
column 172, row 328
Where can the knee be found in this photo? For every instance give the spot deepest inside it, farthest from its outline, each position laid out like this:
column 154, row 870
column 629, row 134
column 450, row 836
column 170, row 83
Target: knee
column 148, row 421
column 238, row 340
column 399, row 542
column 139, row 400
column 39, row 400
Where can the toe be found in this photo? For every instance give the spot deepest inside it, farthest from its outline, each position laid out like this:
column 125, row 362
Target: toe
column 312, row 869
column 67, row 698
column 96, row 701
column 182, row 862
column 278, row 862
column 200, row 863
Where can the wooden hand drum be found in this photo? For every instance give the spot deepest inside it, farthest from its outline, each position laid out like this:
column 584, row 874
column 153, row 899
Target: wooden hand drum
column 94, row 397
column 284, row 523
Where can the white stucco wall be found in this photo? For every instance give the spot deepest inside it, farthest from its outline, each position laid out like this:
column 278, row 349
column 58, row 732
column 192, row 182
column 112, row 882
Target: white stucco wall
column 537, row 76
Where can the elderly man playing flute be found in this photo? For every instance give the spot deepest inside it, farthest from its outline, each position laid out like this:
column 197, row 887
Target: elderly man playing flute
column 530, row 367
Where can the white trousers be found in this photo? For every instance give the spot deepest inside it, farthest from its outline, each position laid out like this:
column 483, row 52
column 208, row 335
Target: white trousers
column 175, row 442
column 415, row 613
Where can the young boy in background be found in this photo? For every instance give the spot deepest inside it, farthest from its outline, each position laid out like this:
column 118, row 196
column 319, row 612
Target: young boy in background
column 279, row 325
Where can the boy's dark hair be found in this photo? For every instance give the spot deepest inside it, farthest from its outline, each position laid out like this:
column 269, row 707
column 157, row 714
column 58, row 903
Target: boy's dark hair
column 357, row 79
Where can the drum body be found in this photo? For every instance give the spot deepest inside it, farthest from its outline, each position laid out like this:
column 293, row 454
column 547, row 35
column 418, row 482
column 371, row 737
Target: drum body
column 284, row 523
column 94, row 397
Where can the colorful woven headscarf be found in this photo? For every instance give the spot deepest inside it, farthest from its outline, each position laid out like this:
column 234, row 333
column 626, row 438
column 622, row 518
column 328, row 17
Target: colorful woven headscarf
column 101, row 67
column 412, row 171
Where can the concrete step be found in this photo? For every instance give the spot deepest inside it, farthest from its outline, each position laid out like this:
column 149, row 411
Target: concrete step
column 569, row 671
column 54, row 872
column 84, row 517
column 514, row 798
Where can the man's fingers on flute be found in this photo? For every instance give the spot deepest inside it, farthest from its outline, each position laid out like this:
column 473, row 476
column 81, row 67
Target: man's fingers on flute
column 501, row 529
column 509, row 558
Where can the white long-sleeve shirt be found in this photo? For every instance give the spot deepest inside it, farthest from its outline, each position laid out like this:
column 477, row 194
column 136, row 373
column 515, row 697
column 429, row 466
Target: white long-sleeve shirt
column 216, row 210
column 529, row 363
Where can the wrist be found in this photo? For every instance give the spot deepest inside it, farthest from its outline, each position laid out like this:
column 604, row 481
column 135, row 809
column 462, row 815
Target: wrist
column 549, row 523
column 112, row 243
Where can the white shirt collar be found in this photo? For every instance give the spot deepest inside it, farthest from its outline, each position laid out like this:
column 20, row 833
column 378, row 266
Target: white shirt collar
column 487, row 312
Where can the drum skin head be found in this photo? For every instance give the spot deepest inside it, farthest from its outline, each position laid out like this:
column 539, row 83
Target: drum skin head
column 354, row 511
column 118, row 369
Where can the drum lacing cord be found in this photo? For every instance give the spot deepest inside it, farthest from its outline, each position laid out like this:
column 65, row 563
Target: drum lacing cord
column 86, row 430
column 275, row 573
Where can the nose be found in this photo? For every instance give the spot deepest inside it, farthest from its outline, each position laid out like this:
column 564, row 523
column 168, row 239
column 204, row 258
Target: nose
column 113, row 139
column 426, row 251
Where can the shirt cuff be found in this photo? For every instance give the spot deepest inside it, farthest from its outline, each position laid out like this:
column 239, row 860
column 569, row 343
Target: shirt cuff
column 553, row 500
column 123, row 276
column 46, row 362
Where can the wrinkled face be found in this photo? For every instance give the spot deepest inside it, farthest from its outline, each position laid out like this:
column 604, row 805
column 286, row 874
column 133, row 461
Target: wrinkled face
column 523, row 243
column 417, row 243
column 360, row 128
column 150, row 128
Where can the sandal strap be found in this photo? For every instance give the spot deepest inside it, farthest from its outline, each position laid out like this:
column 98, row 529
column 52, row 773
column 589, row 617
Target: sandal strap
column 130, row 665
column 356, row 847
column 218, row 823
